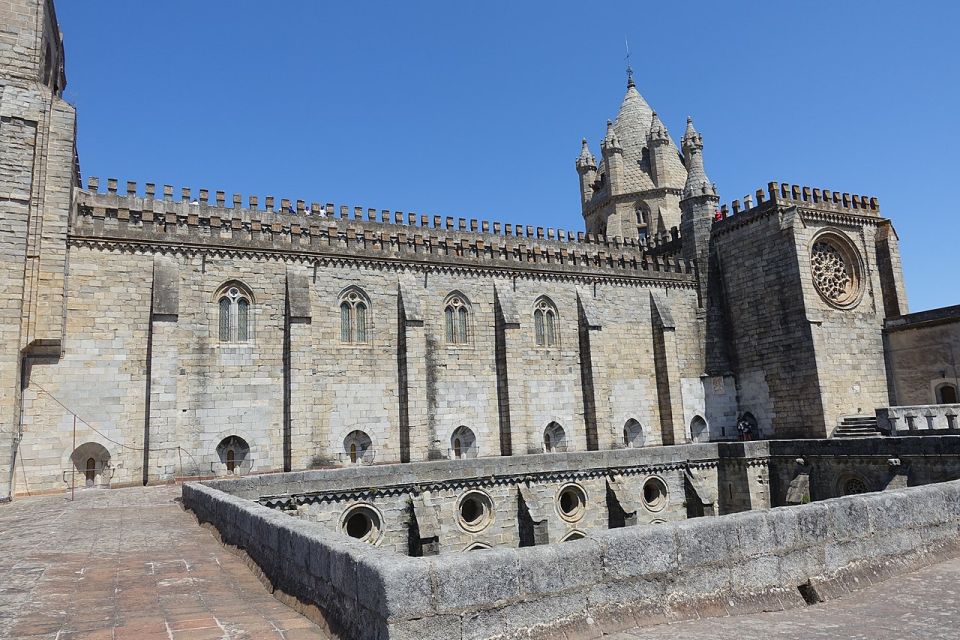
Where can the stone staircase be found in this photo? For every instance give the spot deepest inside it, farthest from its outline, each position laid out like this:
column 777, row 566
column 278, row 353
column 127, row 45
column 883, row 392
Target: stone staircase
column 857, row 427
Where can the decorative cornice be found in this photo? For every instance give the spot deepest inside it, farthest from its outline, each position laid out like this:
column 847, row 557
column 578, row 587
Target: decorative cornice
column 463, row 484
column 617, row 273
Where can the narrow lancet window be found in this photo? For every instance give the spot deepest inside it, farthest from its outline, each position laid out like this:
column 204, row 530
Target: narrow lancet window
column 354, row 305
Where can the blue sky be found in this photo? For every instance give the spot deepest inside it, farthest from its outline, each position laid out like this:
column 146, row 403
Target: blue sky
column 477, row 109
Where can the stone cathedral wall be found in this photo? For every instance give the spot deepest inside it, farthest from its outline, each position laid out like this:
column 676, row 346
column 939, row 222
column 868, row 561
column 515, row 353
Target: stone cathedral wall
column 37, row 175
column 156, row 391
column 805, row 360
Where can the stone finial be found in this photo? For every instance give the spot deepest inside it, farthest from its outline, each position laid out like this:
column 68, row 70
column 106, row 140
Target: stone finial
column 585, row 161
column 658, row 132
column 611, row 143
column 697, row 181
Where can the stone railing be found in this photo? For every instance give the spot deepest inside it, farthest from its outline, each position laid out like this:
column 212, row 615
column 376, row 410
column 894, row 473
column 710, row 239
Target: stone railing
column 610, row 580
column 918, row 419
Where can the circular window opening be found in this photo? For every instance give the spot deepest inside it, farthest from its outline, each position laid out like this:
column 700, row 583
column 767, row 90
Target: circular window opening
column 361, row 522
column 853, row 486
column 359, row 525
column 654, row 494
column 571, row 502
column 475, row 511
column 835, row 267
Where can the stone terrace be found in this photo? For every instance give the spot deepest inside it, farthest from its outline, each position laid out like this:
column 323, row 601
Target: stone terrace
column 130, row 563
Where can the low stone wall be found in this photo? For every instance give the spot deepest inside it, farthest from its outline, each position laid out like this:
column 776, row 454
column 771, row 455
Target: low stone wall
column 932, row 419
column 612, row 579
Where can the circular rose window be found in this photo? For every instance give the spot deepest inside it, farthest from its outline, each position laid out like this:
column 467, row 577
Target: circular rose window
column 835, row 265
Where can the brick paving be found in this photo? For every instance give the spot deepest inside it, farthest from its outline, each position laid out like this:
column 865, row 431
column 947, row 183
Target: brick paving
column 130, row 563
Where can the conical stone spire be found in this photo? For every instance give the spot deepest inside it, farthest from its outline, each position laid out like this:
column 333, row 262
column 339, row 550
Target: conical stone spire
column 697, row 181
column 658, row 132
column 586, row 160
column 611, row 141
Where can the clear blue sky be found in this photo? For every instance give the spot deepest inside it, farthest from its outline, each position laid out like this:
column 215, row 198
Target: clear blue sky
column 477, row 109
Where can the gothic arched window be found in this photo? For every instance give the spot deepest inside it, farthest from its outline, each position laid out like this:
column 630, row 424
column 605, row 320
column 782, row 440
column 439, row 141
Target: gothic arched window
column 545, row 325
column 456, row 319
column 354, row 305
column 233, row 308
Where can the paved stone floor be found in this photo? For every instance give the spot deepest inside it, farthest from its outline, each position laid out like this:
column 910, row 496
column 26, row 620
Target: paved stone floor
column 130, row 563
column 920, row 605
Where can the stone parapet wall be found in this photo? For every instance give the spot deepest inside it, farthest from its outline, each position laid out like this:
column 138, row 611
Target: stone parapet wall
column 112, row 218
column 924, row 419
column 427, row 474
column 615, row 579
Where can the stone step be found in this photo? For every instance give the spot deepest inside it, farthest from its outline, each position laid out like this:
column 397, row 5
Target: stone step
column 857, row 427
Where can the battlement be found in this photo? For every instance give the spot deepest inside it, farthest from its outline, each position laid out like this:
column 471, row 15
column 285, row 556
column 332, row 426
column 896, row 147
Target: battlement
column 383, row 216
column 286, row 224
column 796, row 195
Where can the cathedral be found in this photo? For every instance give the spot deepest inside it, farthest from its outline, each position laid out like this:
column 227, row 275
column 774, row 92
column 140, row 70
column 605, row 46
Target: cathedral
column 149, row 333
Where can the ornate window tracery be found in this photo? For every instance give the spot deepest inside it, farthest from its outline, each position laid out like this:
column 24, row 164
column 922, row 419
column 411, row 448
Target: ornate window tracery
column 456, row 319
column 545, row 324
column 354, row 305
column 835, row 267
column 234, row 317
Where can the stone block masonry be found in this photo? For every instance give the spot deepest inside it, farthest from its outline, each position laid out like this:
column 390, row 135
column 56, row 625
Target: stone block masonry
column 192, row 334
column 37, row 177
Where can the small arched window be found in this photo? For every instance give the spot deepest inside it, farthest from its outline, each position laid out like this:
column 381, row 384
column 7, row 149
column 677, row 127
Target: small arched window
column 234, row 454
column 633, row 436
column 463, row 443
column 545, row 325
column 91, row 472
column 554, row 438
column 947, row 394
column 353, row 315
column 456, row 318
column 233, row 308
column 92, row 461
column 358, row 448
column 698, row 430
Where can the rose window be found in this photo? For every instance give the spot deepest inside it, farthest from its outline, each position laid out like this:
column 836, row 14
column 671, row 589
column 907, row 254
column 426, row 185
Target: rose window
column 835, row 272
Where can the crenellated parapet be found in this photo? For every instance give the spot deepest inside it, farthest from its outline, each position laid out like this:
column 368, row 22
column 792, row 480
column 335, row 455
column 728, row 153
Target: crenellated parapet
column 789, row 195
column 285, row 225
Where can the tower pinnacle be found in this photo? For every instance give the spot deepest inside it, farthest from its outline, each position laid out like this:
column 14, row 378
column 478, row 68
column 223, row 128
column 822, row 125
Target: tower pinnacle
column 697, row 181
column 586, row 159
